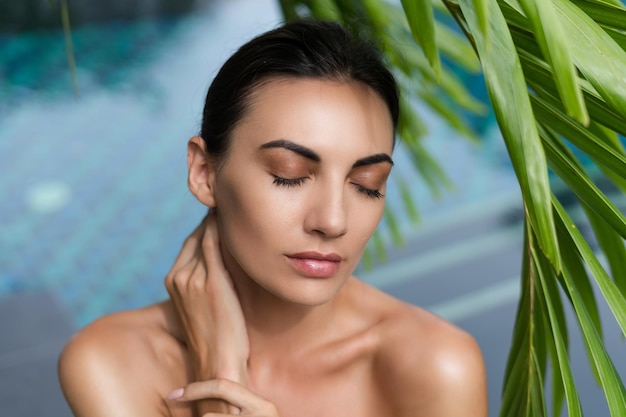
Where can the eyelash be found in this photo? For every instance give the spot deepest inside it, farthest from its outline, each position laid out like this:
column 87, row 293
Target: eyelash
column 288, row 182
column 369, row 192
column 295, row 182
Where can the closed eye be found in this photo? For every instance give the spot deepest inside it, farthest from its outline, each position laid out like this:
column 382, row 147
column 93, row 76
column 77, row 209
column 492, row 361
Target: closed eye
column 288, row 182
column 295, row 182
column 368, row 191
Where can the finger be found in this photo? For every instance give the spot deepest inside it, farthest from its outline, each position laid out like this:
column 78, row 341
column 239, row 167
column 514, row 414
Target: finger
column 177, row 281
column 222, row 389
column 189, row 268
column 196, row 282
column 211, row 250
column 212, row 407
column 192, row 242
column 210, row 240
column 190, row 247
column 230, row 414
column 187, row 287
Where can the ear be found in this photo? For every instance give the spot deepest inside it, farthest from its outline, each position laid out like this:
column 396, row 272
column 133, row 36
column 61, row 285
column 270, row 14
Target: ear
column 202, row 171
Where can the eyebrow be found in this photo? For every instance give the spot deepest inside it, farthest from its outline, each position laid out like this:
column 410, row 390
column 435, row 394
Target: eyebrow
column 373, row 159
column 294, row 147
column 309, row 154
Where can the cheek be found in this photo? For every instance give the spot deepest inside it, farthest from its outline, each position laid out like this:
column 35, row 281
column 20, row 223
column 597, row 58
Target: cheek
column 364, row 220
column 252, row 216
column 259, row 219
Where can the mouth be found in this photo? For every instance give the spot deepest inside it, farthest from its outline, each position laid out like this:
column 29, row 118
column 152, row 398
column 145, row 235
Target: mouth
column 315, row 264
column 331, row 257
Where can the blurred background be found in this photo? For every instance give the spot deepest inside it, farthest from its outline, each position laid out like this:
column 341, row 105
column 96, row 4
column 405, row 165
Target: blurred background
column 94, row 205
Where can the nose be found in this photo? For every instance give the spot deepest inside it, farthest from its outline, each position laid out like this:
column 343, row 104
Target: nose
column 327, row 215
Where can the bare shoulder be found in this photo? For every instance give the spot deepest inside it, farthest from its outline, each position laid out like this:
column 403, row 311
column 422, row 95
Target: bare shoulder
column 432, row 365
column 117, row 359
column 426, row 365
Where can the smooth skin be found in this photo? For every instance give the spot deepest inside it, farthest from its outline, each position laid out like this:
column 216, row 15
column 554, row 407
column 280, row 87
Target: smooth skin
column 253, row 323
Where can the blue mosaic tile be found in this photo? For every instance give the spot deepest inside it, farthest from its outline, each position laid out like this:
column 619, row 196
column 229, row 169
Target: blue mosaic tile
column 120, row 151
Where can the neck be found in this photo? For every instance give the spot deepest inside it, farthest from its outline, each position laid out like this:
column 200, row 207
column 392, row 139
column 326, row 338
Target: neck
column 275, row 324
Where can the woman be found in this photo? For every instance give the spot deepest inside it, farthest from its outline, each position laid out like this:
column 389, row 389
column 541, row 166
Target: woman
column 264, row 316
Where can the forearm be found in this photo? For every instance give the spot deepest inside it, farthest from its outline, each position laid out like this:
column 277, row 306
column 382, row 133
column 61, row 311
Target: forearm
column 208, row 309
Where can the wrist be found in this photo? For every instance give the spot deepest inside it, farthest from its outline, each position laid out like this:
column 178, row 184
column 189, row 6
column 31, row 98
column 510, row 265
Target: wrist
column 221, row 369
column 236, row 374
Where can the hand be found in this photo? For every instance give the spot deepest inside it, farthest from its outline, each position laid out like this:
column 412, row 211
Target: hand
column 237, row 395
column 207, row 306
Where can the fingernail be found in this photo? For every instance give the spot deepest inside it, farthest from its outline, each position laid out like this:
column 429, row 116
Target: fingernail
column 176, row 394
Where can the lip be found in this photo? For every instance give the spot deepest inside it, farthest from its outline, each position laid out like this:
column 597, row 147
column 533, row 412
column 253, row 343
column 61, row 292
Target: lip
column 315, row 264
column 332, row 257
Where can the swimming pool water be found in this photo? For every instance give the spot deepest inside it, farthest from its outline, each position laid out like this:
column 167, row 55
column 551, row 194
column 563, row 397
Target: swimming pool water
column 93, row 198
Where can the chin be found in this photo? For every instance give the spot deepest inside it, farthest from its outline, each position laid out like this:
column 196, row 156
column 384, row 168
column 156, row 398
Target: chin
column 309, row 301
column 310, row 293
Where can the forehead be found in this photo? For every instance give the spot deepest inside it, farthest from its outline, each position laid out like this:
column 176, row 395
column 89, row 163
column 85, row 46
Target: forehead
column 321, row 114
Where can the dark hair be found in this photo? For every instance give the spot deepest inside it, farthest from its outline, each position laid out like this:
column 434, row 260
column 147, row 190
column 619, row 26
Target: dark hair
column 302, row 49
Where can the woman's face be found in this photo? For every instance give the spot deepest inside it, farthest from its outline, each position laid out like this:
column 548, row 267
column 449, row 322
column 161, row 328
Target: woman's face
column 302, row 188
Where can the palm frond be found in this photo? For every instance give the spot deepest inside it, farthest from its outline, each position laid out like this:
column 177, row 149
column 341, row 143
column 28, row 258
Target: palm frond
column 554, row 71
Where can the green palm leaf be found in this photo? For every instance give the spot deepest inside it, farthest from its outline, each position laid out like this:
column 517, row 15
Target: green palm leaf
column 578, row 97
column 610, row 380
column 517, row 392
column 550, row 298
column 596, row 54
column 551, row 39
column 611, row 293
column 422, row 23
column 582, row 185
column 508, row 93
column 554, row 70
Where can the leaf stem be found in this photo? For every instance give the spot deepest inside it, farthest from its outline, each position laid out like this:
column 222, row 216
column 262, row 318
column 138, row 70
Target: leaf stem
column 65, row 16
